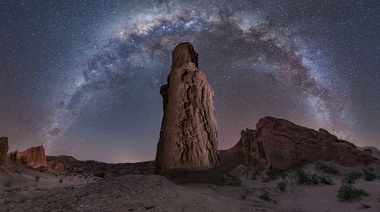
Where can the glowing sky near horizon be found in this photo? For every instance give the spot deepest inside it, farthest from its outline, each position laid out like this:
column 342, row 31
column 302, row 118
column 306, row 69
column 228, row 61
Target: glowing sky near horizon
column 83, row 77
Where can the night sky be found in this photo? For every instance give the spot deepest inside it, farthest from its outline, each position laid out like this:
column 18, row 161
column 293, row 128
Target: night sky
column 83, row 77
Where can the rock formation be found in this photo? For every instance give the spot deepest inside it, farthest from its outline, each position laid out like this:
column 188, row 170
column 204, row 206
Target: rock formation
column 3, row 150
column 61, row 163
column 33, row 157
column 240, row 154
column 280, row 144
column 370, row 150
column 187, row 148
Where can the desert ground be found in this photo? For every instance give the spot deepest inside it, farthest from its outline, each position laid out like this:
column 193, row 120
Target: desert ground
column 105, row 188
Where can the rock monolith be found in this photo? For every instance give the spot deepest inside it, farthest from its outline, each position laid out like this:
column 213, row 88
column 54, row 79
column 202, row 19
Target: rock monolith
column 187, row 150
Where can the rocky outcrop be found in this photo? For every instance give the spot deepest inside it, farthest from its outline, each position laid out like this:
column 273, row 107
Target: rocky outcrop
column 33, row 157
column 187, row 149
column 370, row 150
column 61, row 163
column 280, row 144
column 3, row 150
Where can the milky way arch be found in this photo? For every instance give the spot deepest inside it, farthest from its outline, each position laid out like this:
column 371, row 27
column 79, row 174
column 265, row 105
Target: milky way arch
column 252, row 44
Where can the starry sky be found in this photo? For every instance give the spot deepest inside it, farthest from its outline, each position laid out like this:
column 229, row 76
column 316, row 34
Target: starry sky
column 83, row 77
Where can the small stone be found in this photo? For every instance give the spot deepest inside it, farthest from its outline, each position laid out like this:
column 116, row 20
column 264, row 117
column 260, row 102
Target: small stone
column 149, row 207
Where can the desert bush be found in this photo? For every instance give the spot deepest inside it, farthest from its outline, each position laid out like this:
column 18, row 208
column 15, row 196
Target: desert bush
column 243, row 196
column 255, row 174
column 60, row 180
column 351, row 177
column 312, row 179
column 369, row 176
column 265, row 196
column 100, row 174
column 281, row 186
column 306, row 178
column 347, row 192
column 326, row 168
column 274, row 174
column 37, row 178
column 42, row 169
column 231, row 180
column 325, row 180
column 302, row 176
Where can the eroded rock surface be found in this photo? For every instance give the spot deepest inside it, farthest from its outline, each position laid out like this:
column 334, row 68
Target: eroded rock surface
column 182, row 54
column 280, row 144
column 61, row 163
column 370, row 150
column 3, row 150
column 187, row 149
column 33, row 157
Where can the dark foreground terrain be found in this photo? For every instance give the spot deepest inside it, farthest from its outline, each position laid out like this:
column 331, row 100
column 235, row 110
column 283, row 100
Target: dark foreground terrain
column 94, row 186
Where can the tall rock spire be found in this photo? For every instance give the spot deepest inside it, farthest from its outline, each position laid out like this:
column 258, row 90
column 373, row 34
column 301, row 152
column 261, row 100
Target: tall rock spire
column 188, row 148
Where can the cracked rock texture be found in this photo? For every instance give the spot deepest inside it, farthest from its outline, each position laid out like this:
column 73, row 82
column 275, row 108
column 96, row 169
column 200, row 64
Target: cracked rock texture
column 280, row 144
column 3, row 150
column 188, row 139
column 33, row 157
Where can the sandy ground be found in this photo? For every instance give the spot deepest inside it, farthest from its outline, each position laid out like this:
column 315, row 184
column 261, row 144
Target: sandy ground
column 19, row 191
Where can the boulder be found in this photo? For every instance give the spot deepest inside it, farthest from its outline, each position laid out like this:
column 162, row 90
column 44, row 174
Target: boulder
column 187, row 148
column 33, row 157
column 280, row 144
column 3, row 150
